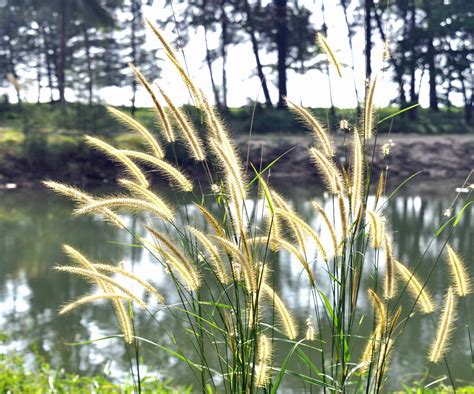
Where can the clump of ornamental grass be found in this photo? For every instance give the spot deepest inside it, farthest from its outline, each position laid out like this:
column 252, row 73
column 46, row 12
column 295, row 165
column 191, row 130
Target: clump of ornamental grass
column 218, row 253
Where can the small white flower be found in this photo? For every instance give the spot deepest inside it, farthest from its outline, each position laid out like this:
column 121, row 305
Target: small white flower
column 215, row 188
column 462, row 190
column 448, row 212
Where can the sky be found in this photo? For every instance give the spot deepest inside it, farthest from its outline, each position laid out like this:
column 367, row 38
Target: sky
column 310, row 89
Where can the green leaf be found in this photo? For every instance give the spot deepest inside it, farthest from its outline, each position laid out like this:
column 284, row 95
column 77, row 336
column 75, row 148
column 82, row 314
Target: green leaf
column 329, row 308
column 458, row 217
column 265, row 190
column 398, row 113
column 269, row 166
column 283, row 367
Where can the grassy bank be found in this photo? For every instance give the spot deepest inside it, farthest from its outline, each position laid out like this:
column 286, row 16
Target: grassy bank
column 40, row 377
column 78, row 118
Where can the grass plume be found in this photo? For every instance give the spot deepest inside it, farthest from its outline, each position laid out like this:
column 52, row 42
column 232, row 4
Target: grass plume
column 320, row 133
column 133, row 125
column 459, row 273
column 445, row 326
column 114, row 153
column 424, row 302
column 163, row 119
column 287, row 321
column 326, row 48
column 173, row 174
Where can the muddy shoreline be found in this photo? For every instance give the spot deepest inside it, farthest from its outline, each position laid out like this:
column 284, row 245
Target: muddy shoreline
column 446, row 160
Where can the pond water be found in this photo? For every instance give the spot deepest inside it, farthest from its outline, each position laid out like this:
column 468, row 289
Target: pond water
column 34, row 224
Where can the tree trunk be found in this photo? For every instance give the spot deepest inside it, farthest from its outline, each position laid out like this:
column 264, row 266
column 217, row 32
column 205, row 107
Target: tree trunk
column 87, row 46
column 135, row 7
column 224, row 42
column 47, row 57
column 253, row 38
column 351, row 46
column 412, row 114
column 431, row 54
column 397, row 66
column 282, row 48
column 62, row 53
column 468, row 103
column 211, row 73
column 368, row 37
column 325, row 32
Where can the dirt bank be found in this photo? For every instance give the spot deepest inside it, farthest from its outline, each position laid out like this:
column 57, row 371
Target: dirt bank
column 439, row 158
column 446, row 159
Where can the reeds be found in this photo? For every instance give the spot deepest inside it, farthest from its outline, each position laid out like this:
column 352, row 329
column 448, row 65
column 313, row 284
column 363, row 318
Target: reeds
column 219, row 251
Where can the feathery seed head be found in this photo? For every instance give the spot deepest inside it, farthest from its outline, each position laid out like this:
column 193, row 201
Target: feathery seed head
column 459, row 273
column 326, row 48
column 320, row 133
column 419, row 292
column 445, row 326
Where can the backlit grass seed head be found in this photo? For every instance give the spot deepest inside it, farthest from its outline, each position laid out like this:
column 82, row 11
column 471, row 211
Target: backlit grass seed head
column 120, row 157
column 297, row 232
column 380, row 309
column 122, row 316
column 389, row 284
column 376, row 228
column 326, row 48
column 127, row 274
column 335, row 246
column 231, row 167
column 380, row 188
column 81, row 197
column 369, row 110
column 211, row 220
column 141, row 192
column 163, row 119
column 279, row 244
column 262, row 369
column 97, row 277
column 90, row 299
column 459, row 273
column 168, row 49
column 370, row 348
column 445, row 327
column 195, row 92
column 297, row 221
column 357, row 183
column 190, row 135
column 213, row 253
column 133, row 125
column 287, row 321
column 177, row 263
column 309, row 336
column 247, row 268
column 328, row 170
column 131, row 204
column 320, row 133
column 173, row 174
column 424, row 303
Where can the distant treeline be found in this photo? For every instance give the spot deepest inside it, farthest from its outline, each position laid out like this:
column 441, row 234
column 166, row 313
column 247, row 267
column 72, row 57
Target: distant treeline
column 86, row 45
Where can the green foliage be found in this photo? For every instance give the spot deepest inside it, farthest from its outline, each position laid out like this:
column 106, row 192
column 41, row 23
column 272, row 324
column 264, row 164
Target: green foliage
column 41, row 377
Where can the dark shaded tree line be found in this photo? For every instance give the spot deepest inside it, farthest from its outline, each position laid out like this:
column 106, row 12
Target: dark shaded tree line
column 86, row 44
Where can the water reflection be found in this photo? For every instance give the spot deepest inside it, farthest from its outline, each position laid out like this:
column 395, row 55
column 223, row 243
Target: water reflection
column 34, row 225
